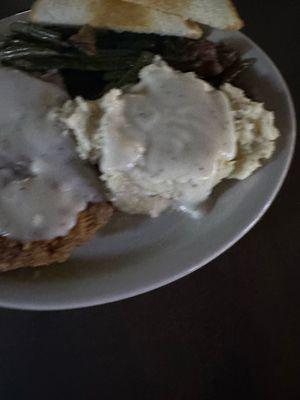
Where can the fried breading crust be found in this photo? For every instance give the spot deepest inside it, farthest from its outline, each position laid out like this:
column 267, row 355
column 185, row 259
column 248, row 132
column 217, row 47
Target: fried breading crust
column 14, row 254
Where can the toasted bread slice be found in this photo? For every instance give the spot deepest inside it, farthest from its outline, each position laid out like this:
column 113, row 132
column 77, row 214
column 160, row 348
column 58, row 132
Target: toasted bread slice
column 215, row 13
column 113, row 14
column 15, row 254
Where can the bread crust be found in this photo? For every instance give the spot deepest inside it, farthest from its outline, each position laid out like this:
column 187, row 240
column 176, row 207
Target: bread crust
column 178, row 8
column 114, row 14
column 239, row 24
column 15, row 254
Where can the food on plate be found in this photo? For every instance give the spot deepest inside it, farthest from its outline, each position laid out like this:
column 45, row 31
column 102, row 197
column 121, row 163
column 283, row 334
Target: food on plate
column 170, row 139
column 118, row 104
column 216, row 13
column 113, row 14
column 50, row 201
column 93, row 61
column 17, row 254
column 255, row 130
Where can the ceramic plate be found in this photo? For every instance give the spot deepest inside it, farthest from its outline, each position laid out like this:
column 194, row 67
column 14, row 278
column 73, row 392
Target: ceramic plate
column 134, row 255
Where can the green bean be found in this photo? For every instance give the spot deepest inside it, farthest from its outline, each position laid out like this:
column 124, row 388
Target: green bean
column 51, row 44
column 107, row 63
column 107, row 53
column 19, row 64
column 125, row 40
column 132, row 75
column 18, row 42
column 83, row 64
column 113, row 75
column 10, row 53
column 26, row 31
column 35, row 31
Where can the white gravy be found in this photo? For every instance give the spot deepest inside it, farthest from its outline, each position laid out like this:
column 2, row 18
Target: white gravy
column 43, row 185
column 165, row 137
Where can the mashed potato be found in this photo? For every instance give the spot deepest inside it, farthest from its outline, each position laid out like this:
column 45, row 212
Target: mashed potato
column 170, row 139
column 255, row 131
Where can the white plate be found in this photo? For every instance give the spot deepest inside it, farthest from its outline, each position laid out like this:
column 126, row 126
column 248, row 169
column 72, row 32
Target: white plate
column 135, row 254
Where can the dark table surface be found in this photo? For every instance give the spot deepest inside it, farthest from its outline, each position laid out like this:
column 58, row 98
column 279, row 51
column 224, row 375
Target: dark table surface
column 230, row 330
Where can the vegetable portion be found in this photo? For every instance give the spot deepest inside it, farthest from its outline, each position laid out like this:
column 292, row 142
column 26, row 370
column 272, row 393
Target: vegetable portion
column 117, row 57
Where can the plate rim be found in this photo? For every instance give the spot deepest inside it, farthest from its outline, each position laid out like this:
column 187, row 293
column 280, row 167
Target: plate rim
column 93, row 302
